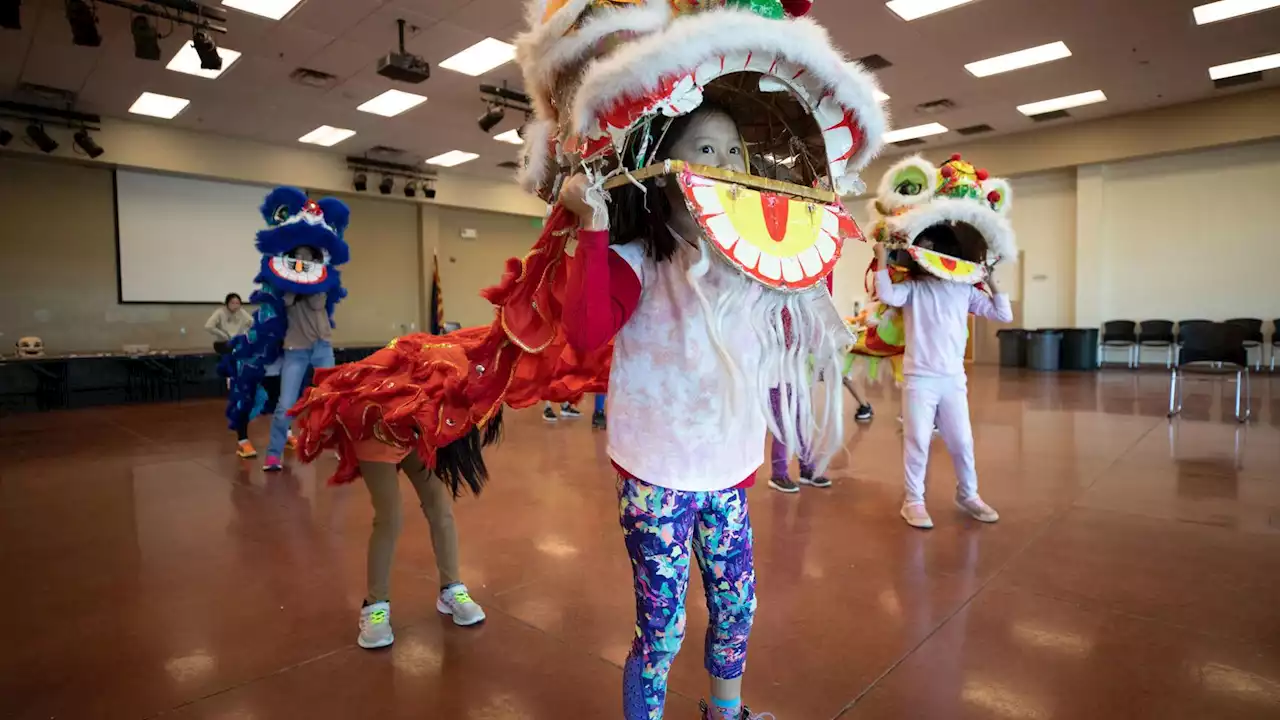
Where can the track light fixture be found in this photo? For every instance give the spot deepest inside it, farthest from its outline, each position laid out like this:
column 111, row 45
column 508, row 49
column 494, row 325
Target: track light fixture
column 429, row 191
column 84, row 23
column 360, row 182
column 386, row 185
column 146, row 41
column 10, row 17
column 41, row 138
column 207, row 49
column 410, row 189
column 86, row 143
column 6, row 137
column 490, row 119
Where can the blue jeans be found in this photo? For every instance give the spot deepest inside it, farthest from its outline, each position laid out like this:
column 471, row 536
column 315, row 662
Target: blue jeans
column 296, row 362
column 600, row 403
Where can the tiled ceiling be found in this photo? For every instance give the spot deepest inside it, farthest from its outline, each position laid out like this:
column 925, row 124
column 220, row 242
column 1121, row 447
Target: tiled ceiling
column 1141, row 53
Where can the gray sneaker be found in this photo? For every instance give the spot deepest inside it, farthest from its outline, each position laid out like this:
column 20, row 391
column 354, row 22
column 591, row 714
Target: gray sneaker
column 456, row 601
column 375, row 626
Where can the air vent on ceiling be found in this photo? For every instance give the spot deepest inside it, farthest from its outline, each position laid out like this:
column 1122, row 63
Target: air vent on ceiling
column 509, row 165
column 1052, row 115
column 1246, row 79
column 975, row 129
column 909, row 143
column 874, row 62
column 46, row 93
column 313, row 78
column 386, row 151
column 935, row 107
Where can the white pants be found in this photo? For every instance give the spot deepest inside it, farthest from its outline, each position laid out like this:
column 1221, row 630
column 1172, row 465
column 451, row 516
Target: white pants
column 944, row 401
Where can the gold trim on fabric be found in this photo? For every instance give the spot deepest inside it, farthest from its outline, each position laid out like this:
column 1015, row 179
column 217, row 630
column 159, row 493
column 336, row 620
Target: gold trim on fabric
column 672, row 167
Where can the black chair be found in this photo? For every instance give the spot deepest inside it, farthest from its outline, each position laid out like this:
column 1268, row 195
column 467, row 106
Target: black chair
column 1275, row 341
column 1252, row 336
column 1178, row 335
column 1157, row 333
column 1119, row 334
column 1214, row 349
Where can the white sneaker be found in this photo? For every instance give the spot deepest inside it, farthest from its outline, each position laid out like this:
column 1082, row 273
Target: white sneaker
column 375, row 626
column 916, row 515
column 977, row 509
column 456, row 601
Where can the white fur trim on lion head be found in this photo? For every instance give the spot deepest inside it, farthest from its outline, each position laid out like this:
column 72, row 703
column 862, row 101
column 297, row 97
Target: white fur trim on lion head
column 552, row 44
column 915, row 195
column 696, row 49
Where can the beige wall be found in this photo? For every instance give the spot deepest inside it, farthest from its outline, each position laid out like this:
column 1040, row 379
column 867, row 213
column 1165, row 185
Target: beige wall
column 468, row 266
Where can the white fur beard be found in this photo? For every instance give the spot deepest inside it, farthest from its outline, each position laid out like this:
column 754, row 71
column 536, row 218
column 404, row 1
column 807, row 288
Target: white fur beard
column 810, row 420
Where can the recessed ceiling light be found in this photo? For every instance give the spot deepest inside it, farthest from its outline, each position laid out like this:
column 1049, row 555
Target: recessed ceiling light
column 1062, row 103
column 915, row 9
column 326, row 136
column 452, row 158
column 1244, row 67
column 392, row 103
column 188, row 61
column 1227, row 9
column 481, row 57
column 156, row 105
column 510, row 136
column 273, row 9
column 911, row 133
column 1018, row 60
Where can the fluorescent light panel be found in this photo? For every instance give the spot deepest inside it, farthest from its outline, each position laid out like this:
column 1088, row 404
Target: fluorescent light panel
column 481, row 57
column 1227, row 9
column 326, row 136
column 915, row 9
column 1020, row 59
column 1062, row 103
column 1244, row 67
column 452, row 158
column 392, row 103
column 510, row 136
column 881, row 96
column 157, row 105
column 271, row 9
column 911, row 133
column 188, row 61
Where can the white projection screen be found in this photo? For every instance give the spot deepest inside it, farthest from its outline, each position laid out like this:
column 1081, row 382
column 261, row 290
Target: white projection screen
column 183, row 240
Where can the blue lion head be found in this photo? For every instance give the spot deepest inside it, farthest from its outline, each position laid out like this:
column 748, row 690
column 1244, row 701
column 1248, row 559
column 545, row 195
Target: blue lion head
column 302, row 245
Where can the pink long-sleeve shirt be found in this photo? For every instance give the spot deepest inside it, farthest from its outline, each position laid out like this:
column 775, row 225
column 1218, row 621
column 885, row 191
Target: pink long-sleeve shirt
column 936, row 313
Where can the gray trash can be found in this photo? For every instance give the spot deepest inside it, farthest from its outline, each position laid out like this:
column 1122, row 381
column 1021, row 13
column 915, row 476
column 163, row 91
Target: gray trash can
column 1013, row 348
column 1043, row 349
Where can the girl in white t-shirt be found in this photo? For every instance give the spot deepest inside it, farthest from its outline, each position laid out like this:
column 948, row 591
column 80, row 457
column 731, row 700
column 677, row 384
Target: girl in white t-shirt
column 697, row 346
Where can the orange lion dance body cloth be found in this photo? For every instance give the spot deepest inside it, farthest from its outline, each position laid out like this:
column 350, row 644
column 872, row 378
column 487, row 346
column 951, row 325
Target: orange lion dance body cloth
column 425, row 393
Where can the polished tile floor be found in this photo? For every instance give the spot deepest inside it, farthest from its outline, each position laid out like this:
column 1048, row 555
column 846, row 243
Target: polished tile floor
column 147, row 572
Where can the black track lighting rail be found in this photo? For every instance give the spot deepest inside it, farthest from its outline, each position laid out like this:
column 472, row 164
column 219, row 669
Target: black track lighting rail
column 49, row 116
column 177, row 9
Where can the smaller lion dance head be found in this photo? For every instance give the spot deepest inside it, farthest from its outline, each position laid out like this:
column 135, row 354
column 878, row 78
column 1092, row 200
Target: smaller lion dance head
column 302, row 245
column 951, row 220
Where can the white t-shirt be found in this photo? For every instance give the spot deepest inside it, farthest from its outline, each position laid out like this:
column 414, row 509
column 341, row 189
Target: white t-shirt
column 669, row 391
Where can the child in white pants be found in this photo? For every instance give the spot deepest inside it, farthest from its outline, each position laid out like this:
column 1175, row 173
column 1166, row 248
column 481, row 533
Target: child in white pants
column 936, row 321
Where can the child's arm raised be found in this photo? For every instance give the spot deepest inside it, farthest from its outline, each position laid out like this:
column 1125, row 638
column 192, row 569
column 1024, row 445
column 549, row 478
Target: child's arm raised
column 603, row 290
column 993, row 308
column 894, row 295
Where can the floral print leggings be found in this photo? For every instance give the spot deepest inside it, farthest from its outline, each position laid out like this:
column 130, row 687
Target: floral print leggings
column 660, row 525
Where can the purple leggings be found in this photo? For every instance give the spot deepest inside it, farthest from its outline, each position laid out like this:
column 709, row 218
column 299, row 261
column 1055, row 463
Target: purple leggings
column 779, row 455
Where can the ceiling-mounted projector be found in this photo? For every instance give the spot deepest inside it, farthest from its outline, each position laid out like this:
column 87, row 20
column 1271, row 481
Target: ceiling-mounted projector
column 404, row 66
